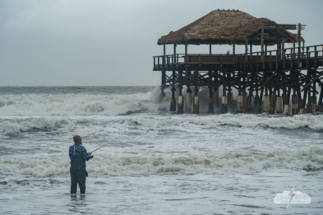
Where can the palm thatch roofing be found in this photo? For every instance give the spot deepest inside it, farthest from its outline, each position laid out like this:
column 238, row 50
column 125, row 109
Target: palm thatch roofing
column 227, row 27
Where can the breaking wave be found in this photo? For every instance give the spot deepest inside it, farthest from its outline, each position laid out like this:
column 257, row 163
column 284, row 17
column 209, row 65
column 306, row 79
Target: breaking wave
column 24, row 112
column 11, row 125
column 308, row 159
column 79, row 104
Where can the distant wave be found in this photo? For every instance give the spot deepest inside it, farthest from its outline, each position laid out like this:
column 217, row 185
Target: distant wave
column 308, row 159
column 79, row 104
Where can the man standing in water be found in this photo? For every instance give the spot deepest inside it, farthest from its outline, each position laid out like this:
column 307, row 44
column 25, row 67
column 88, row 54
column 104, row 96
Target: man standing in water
column 78, row 156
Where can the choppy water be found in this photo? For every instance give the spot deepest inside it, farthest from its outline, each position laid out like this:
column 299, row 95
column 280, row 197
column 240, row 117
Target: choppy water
column 155, row 162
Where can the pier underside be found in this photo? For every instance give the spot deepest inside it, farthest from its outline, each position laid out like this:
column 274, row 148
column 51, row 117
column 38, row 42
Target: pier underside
column 285, row 81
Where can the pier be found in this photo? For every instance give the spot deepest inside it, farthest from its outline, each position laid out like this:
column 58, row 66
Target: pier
column 282, row 81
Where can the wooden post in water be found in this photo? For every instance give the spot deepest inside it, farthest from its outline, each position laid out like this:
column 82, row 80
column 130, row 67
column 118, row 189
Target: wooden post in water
column 230, row 95
column 309, row 103
column 188, row 96
column 273, row 96
column 313, row 98
column 196, row 101
column 216, row 91
column 224, row 97
column 211, row 103
column 287, row 105
column 294, row 96
column 266, row 96
column 180, row 101
column 173, row 101
column 163, row 78
column 319, row 106
column 250, row 103
column 239, row 97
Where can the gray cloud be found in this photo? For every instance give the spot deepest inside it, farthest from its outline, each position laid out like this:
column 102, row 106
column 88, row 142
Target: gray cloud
column 46, row 43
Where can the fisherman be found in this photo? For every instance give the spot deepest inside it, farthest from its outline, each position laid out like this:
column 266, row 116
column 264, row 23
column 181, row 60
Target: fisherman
column 78, row 156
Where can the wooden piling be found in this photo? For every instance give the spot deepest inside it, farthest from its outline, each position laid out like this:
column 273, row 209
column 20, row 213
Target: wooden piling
column 266, row 103
column 313, row 103
column 211, row 102
column 224, row 97
column 173, row 101
column 272, row 105
column 250, row 104
column 294, row 104
column 279, row 105
column 240, row 104
column 180, row 101
column 224, row 104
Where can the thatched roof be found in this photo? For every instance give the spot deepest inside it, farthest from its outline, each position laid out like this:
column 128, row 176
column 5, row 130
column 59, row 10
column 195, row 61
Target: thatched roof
column 226, row 27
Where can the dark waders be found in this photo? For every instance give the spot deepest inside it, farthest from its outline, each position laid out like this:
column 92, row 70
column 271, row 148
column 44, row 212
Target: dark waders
column 78, row 176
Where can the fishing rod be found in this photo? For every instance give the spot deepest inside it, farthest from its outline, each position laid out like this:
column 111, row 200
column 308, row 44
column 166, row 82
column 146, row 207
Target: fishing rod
column 100, row 147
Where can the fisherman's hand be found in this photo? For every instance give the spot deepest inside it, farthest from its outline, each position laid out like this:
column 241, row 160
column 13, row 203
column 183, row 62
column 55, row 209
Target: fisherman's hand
column 90, row 153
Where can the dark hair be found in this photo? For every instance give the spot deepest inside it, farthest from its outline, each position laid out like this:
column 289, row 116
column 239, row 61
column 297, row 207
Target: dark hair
column 76, row 138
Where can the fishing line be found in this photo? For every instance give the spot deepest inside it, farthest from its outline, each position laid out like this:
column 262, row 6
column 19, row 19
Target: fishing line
column 100, row 147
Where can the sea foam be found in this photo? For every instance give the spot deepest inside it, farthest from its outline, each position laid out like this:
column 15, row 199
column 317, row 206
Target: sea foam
column 309, row 159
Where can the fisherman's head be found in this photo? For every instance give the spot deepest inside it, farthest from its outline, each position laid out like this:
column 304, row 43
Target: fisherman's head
column 77, row 139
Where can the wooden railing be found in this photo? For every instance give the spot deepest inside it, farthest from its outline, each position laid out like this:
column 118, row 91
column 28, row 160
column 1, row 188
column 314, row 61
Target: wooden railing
column 245, row 60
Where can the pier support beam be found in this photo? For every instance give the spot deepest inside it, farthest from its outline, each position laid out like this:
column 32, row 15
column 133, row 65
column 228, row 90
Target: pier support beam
column 309, row 108
column 230, row 95
column 272, row 105
column 302, row 111
column 287, row 110
column 240, row 104
column 216, row 91
column 224, row 104
column 172, row 104
column 163, row 82
column 180, row 102
column 256, row 102
column 196, row 109
column 211, row 102
column 313, row 103
column 313, row 98
column 307, row 94
column 188, row 96
column 279, row 105
column 284, row 99
column 216, row 98
column 266, row 103
column 319, row 106
column 244, row 96
column 196, row 104
column 163, row 74
column 224, row 97
column 259, row 103
column 173, row 101
column 250, row 104
column 294, row 104
column 188, row 101
column 230, row 101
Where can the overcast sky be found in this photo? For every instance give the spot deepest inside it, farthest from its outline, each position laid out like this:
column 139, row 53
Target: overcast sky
column 111, row 43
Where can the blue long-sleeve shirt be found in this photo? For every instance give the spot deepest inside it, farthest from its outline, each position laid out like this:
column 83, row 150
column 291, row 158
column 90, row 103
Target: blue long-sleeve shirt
column 78, row 156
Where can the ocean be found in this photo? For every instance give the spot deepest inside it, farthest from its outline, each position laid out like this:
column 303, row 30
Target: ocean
column 154, row 161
